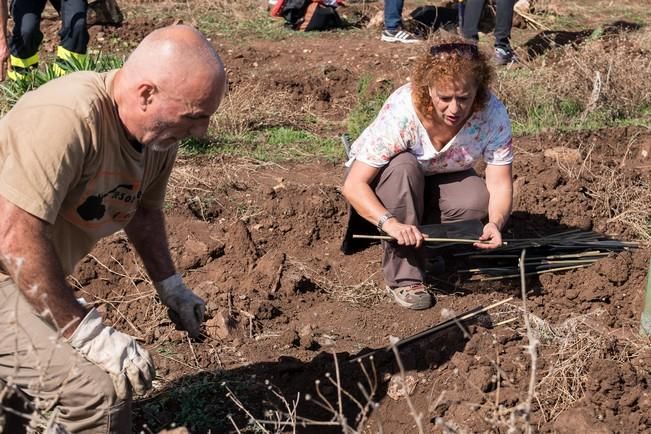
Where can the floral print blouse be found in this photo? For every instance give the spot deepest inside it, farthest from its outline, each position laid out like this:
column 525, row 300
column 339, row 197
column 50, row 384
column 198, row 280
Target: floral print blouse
column 486, row 134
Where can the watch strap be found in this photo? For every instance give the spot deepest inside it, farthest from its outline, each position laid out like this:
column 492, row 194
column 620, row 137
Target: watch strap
column 383, row 219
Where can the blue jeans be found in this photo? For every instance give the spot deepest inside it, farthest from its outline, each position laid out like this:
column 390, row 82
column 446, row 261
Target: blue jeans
column 392, row 14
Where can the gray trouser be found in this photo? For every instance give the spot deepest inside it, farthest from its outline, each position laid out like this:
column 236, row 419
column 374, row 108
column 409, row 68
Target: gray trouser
column 46, row 368
column 416, row 199
column 503, row 20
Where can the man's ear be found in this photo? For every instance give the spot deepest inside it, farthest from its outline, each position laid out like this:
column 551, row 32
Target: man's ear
column 146, row 91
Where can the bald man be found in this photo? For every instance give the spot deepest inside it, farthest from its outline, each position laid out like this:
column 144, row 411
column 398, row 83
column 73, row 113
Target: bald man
column 81, row 158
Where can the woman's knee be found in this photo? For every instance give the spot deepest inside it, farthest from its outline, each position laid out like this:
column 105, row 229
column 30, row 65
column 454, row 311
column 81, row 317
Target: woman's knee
column 471, row 205
column 404, row 166
column 401, row 183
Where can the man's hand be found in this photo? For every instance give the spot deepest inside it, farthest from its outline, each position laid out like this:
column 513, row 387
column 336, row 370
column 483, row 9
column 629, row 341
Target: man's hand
column 129, row 365
column 185, row 307
column 491, row 236
column 405, row 235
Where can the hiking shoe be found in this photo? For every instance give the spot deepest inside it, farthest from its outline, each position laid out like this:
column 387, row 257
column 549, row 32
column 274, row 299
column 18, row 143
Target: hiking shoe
column 399, row 36
column 504, row 56
column 412, row 297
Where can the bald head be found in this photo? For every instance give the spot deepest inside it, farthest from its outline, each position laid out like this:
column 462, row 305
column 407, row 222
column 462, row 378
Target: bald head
column 173, row 54
column 173, row 73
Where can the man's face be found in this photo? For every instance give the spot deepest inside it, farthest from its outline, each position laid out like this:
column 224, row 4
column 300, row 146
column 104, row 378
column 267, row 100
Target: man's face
column 453, row 101
column 171, row 118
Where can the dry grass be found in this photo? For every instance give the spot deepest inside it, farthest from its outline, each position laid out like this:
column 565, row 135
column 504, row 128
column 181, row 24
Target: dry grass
column 365, row 293
column 623, row 198
column 592, row 85
column 570, row 348
column 234, row 8
column 620, row 194
column 250, row 106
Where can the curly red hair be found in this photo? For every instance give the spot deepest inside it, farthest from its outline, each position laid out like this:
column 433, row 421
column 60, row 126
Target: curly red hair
column 445, row 67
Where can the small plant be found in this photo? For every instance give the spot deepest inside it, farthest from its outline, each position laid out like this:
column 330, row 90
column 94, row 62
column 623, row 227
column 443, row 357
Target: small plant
column 12, row 90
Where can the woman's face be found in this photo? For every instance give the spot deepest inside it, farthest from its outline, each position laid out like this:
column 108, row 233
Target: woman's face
column 453, row 101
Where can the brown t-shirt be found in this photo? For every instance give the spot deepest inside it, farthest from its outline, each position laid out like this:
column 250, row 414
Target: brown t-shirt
column 66, row 159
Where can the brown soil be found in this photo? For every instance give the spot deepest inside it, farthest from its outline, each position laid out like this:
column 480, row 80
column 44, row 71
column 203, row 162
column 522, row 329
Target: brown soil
column 262, row 248
column 260, row 243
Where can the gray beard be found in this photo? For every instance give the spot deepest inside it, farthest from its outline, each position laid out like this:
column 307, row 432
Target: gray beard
column 157, row 148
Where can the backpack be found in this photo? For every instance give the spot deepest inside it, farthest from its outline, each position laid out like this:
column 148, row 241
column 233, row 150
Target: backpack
column 308, row 15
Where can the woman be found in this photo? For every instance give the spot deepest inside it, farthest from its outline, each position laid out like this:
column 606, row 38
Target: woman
column 415, row 161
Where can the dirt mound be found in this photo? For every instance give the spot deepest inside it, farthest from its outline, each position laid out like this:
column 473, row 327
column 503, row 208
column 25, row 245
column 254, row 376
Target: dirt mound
column 263, row 249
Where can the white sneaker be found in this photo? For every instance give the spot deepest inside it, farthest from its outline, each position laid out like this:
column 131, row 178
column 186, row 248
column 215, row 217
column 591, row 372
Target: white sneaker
column 399, row 36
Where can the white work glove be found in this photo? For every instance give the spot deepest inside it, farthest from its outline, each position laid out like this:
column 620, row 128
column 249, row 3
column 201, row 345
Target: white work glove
column 129, row 364
column 185, row 308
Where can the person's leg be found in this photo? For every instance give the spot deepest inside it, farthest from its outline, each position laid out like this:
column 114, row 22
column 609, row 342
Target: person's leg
column 460, row 196
column 393, row 14
column 393, row 24
column 400, row 187
column 471, row 17
column 503, row 23
column 73, row 34
column 25, row 37
column 80, row 395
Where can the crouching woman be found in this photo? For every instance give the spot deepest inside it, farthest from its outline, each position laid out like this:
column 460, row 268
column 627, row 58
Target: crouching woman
column 414, row 164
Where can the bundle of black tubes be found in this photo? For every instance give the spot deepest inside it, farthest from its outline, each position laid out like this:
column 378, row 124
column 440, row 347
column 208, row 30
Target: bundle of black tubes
column 553, row 253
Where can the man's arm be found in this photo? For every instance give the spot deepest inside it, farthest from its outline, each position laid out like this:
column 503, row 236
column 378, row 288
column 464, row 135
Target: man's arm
column 147, row 233
column 28, row 256
column 146, row 230
column 4, row 47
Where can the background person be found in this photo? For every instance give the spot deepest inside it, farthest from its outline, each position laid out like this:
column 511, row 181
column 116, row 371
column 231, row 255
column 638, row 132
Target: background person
column 393, row 31
column 503, row 23
column 4, row 47
column 414, row 163
column 97, row 161
column 26, row 36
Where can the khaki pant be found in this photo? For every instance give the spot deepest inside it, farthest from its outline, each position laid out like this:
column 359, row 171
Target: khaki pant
column 79, row 394
column 417, row 199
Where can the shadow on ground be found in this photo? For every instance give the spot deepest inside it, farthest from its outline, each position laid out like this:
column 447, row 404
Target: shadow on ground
column 201, row 401
column 548, row 39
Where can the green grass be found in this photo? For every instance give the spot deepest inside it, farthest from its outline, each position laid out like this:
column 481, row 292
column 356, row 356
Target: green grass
column 536, row 104
column 571, row 16
column 272, row 144
column 199, row 403
column 547, row 118
column 281, row 143
column 167, row 349
column 369, row 102
column 257, row 25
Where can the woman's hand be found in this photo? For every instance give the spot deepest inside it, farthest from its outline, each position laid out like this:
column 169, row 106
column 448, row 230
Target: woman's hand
column 405, row 235
column 491, row 237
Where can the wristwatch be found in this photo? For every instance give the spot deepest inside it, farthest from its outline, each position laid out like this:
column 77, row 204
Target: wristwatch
column 383, row 219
